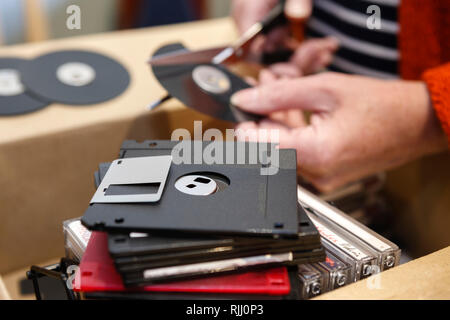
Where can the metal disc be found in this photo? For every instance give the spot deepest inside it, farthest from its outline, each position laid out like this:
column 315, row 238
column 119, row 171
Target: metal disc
column 75, row 77
column 75, row 74
column 14, row 98
column 206, row 88
column 10, row 84
column 211, row 79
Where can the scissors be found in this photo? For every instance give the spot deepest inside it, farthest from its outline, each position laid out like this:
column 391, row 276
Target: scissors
column 227, row 54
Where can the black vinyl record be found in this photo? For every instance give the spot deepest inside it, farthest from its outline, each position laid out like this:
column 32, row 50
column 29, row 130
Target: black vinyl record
column 14, row 98
column 178, row 80
column 75, row 77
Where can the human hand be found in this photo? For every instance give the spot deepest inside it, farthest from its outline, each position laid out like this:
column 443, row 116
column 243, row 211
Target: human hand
column 358, row 126
column 310, row 57
column 247, row 12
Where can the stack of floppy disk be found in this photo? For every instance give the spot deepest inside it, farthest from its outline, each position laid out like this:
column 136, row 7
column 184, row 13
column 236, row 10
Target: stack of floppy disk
column 196, row 219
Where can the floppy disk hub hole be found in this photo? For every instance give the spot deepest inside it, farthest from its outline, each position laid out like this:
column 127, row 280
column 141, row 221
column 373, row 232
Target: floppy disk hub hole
column 202, row 180
column 201, row 183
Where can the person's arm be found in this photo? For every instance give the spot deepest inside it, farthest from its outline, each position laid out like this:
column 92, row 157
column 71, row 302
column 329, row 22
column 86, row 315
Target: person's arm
column 438, row 83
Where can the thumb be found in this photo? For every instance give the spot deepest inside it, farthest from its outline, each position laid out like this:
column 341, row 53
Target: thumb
column 302, row 93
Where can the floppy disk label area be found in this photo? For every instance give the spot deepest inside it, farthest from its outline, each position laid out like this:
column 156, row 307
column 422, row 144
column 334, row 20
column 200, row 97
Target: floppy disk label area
column 144, row 177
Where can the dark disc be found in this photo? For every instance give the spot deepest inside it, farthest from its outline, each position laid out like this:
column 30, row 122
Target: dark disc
column 14, row 98
column 75, row 77
column 180, row 81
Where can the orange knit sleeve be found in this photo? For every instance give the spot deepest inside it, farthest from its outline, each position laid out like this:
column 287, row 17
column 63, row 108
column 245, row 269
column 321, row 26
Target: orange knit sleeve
column 438, row 82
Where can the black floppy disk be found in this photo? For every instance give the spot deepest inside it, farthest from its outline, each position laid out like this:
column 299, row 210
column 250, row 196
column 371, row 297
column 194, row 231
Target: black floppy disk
column 135, row 252
column 145, row 276
column 130, row 249
column 241, row 200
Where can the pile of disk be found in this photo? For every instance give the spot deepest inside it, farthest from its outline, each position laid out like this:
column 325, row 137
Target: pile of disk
column 74, row 77
column 169, row 222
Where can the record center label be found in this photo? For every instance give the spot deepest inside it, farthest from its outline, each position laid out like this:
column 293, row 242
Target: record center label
column 75, row 74
column 10, row 84
column 211, row 79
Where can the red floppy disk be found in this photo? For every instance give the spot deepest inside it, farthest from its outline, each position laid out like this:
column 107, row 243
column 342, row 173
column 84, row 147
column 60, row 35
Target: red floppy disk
column 97, row 273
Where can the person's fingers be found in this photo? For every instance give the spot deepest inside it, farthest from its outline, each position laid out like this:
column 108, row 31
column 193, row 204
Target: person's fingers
column 263, row 131
column 295, row 119
column 289, row 118
column 285, row 70
column 275, row 132
column 278, row 71
column 308, row 143
column 332, row 181
column 311, row 49
column 251, row 81
column 266, row 131
column 256, row 46
column 266, row 76
column 301, row 139
column 323, row 60
column 246, row 131
column 275, row 39
column 315, row 54
column 322, row 184
column 319, row 62
column 305, row 93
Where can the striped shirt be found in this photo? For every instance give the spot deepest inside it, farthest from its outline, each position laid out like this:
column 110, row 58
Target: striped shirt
column 364, row 51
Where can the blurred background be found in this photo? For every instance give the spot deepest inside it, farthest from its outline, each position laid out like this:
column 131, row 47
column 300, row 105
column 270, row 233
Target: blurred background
column 37, row 20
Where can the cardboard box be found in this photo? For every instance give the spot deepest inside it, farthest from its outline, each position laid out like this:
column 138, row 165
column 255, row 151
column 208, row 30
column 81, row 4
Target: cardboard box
column 4, row 294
